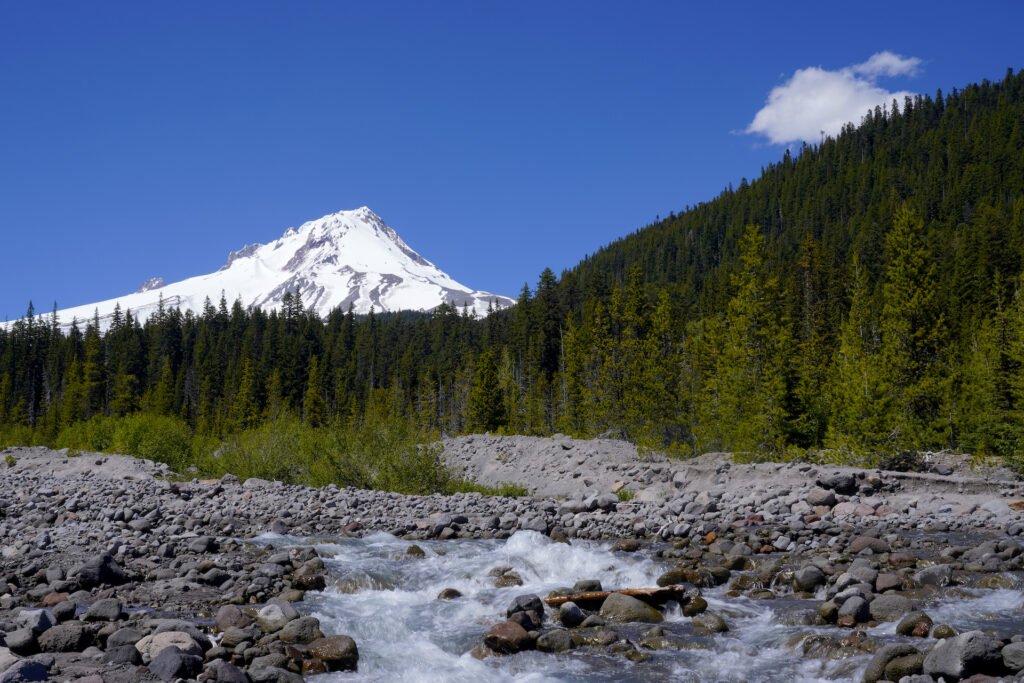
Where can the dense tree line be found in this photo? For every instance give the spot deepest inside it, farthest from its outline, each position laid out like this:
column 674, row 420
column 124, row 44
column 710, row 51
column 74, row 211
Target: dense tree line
column 862, row 295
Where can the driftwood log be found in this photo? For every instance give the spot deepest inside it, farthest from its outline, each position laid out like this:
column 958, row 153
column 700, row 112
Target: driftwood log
column 656, row 597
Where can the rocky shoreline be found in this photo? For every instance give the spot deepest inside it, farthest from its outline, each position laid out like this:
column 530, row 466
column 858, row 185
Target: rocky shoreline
column 97, row 547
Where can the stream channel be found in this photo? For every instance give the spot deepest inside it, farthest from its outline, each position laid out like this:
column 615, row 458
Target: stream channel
column 388, row 602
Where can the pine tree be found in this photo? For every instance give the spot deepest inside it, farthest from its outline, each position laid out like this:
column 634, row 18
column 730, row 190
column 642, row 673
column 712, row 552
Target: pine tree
column 913, row 339
column 858, row 394
column 753, row 390
column 313, row 407
column 486, row 403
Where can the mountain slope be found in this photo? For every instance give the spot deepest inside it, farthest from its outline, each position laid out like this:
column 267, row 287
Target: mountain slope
column 348, row 258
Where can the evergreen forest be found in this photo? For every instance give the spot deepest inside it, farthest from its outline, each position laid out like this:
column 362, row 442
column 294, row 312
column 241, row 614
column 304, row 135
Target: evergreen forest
column 860, row 299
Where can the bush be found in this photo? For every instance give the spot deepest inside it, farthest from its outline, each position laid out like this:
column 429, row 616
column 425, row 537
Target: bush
column 155, row 437
column 95, row 434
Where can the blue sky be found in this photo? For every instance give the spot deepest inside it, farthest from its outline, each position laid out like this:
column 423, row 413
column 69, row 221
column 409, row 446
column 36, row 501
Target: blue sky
column 142, row 139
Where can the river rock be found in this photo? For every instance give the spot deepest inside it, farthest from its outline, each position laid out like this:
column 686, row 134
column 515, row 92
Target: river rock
column 171, row 663
column 808, row 578
column 7, row 658
column 875, row 670
column 22, row 641
column 856, row 607
column 100, row 570
column 273, row 674
column 508, row 637
column 711, row 622
column 570, row 614
column 819, row 496
column 1013, row 656
column 964, row 655
column 840, row 482
column 69, row 637
column 876, row 545
column 274, row 617
column 301, row 630
column 229, row 616
column 38, row 620
column 555, row 641
column 911, row 624
column 25, row 670
column 937, row 575
column 108, row 609
column 624, row 608
column 122, row 654
column 889, row 607
column 907, row 665
column 523, row 603
column 156, row 643
column 338, row 652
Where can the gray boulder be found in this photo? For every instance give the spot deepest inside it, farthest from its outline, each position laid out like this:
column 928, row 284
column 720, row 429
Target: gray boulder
column 69, row 637
column 890, row 607
column 172, row 664
column 819, row 496
column 555, row 641
column 808, row 578
column 937, row 575
column 100, row 570
column 624, row 608
column 339, row 653
column 1013, row 656
column 570, row 614
column 109, row 609
column 25, row 670
column 22, row 642
column 301, row 630
column 856, row 607
column 964, row 655
column 885, row 654
column 525, row 603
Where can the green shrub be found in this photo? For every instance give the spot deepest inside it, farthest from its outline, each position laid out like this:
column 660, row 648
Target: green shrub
column 155, row 437
column 10, row 460
column 94, row 434
column 625, row 495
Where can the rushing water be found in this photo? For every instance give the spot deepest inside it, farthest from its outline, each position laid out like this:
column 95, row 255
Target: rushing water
column 388, row 603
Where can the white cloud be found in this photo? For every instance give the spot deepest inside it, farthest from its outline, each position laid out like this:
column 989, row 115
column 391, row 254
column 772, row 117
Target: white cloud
column 888, row 64
column 817, row 100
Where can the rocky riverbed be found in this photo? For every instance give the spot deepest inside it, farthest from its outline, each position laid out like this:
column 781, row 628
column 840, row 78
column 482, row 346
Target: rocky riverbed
column 112, row 571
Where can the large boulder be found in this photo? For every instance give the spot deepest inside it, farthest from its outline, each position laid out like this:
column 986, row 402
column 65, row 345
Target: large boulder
column 525, row 603
column 890, row 607
column 508, row 637
column 808, row 578
column 819, row 496
column 840, row 482
column 25, row 670
column 885, row 654
column 301, row 630
column 938, row 575
column 100, row 570
column 1013, row 656
column 624, row 608
column 859, row 543
column 171, row 664
column 69, row 637
column 964, row 655
column 555, row 641
column 229, row 616
column 275, row 617
column 109, row 609
column 153, row 645
column 339, row 653
column 570, row 614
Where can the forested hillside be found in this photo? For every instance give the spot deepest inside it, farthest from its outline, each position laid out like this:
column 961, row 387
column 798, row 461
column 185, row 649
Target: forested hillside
column 860, row 296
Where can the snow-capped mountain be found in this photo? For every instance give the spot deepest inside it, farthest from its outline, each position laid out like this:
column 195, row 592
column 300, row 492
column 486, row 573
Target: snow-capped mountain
column 345, row 258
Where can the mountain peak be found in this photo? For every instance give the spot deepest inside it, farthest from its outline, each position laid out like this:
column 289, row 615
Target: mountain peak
column 347, row 258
